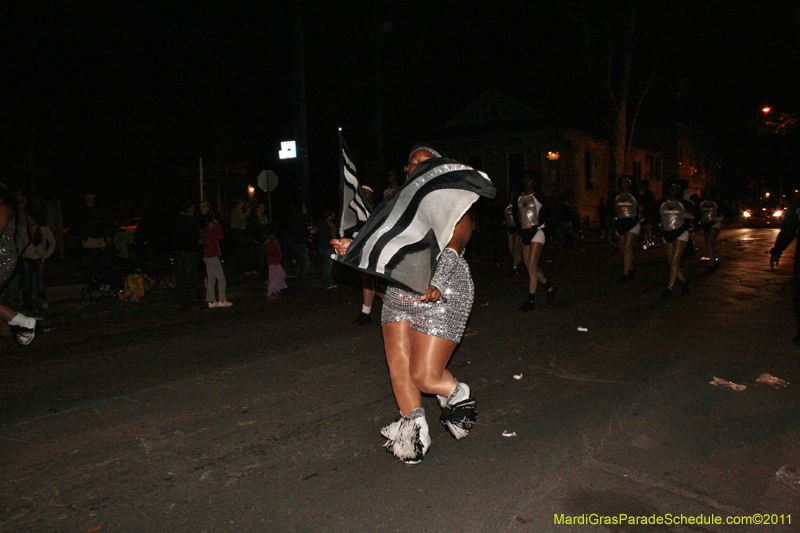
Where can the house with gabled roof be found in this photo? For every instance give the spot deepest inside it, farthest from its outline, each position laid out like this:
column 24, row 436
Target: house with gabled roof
column 505, row 138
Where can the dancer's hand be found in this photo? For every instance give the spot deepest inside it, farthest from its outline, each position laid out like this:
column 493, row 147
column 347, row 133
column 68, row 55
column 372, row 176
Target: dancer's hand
column 774, row 260
column 340, row 245
column 431, row 295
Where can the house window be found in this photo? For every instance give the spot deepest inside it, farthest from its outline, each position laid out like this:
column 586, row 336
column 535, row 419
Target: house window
column 588, row 170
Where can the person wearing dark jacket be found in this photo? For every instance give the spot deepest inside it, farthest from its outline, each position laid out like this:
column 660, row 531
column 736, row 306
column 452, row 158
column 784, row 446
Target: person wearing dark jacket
column 301, row 231
column 789, row 229
column 184, row 233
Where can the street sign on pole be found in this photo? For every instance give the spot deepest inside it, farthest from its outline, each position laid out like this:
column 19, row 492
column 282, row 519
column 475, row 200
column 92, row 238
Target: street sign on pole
column 268, row 181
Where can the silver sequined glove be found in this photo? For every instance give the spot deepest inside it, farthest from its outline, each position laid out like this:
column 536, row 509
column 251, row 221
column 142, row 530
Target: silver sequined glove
column 448, row 260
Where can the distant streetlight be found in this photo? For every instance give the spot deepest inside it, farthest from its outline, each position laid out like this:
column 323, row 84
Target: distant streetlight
column 778, row 124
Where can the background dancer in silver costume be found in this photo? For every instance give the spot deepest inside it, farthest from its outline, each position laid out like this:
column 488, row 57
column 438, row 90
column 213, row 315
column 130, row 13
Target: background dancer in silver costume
column 711, row 223
column 676, row 235
column 627, row 225
column 533, row 239
column 422, row 326
column 22, row 327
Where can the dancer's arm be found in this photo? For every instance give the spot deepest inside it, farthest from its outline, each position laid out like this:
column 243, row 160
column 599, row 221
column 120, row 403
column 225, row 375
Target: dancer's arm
column 447, row 260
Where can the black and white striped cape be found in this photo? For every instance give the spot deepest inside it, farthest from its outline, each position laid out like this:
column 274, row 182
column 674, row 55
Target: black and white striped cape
column 403, row 238
column 355, row 205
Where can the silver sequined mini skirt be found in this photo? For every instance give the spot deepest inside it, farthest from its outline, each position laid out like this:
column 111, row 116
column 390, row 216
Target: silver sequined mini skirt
column 8, row 252
column 445, row 318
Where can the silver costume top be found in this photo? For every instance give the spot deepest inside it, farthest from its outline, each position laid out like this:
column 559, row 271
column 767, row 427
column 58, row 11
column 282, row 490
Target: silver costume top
column 710, row 211
column 671, row 215
column 529, row 208
column 508, row 213
column 446, row 317
column 8, row 251
column 625, row 205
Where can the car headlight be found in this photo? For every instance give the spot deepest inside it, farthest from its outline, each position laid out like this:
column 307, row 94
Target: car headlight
column 746, row 214
column 777, row 214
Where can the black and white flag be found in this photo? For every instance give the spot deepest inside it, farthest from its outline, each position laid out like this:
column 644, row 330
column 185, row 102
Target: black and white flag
column 355, row 207
column 406, row 233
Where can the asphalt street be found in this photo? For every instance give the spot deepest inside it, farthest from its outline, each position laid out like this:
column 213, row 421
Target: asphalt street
column 266, row 416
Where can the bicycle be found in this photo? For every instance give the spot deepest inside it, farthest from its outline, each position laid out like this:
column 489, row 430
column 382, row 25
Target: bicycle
column 649, row 238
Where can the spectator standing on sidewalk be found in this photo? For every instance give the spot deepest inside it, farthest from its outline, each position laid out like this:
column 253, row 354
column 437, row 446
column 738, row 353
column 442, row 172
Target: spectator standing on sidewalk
column 23, row 328
column 326, row 230
column 394, row 184
column 370, row 285
column 301, row 229
column 274, row 255
column 93, row 228
column 211, row 234
column 184, row 231
column 240, row 237
column 257, row 224
column 38, row 246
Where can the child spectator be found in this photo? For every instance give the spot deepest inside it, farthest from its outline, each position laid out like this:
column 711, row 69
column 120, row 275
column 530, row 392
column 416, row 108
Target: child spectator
column 277, row 276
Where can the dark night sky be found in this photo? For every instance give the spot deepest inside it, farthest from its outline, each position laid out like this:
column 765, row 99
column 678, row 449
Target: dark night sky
column 131, row 91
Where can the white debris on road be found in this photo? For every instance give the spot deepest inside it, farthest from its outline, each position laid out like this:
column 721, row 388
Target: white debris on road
column 769, row 379
column 719, row 382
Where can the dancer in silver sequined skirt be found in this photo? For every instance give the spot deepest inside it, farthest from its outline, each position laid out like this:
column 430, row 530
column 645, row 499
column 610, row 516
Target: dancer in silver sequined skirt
column 446, row 317
column 420, row 333
column 23, row 328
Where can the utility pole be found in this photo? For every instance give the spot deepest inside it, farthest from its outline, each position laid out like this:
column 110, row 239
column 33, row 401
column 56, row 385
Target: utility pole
column 299, row 104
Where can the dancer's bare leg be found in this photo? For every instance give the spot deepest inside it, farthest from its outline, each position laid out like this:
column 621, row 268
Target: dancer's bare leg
column 711, row 241
column 429, row 357
column 532, row 253
column 674, row 252
column 397, row 345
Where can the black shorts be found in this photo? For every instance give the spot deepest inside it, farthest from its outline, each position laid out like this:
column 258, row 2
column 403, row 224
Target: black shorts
column 527, row 235
column 624, row 225
column 671, row 235
column 511, row 230
column 707, row 226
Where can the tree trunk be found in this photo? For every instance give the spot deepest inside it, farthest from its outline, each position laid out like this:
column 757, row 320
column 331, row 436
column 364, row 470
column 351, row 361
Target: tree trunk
column 619, row 146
